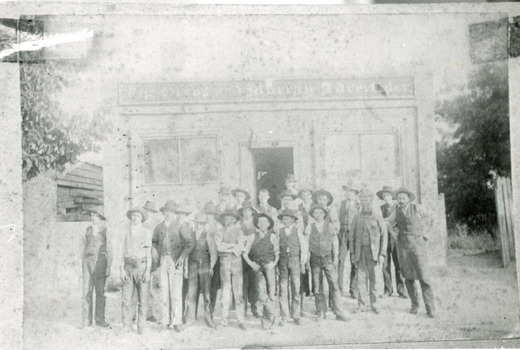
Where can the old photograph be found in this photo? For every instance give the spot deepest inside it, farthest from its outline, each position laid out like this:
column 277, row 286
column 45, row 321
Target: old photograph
column 222, row 177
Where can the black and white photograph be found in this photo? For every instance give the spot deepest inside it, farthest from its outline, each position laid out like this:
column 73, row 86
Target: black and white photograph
column 224, row 176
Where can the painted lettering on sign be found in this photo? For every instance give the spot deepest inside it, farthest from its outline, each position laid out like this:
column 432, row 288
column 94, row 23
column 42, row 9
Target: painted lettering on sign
column 265, row 90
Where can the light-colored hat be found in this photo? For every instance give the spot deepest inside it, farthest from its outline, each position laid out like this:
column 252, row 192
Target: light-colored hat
column 200, row 218
column 169, row 206
column 149, row 205
column 404, row 190
column 99, row 212
column 183, row 209
column 286, row 193
column 288, row 212
column 350, row 186
column 245, row 205
column 262, row 215
column 315, row 207
column 229, row 212
column 224, row 190
column 386, row 189
column 235, row 190
column 366, row 192
column 210, row 208
column 138, row 210
column 322, row 192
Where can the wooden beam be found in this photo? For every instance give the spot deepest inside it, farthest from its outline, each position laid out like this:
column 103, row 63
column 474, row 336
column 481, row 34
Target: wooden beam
column 77, row 184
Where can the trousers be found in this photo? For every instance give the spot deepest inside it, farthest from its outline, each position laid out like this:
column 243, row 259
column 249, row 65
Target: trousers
column 289, row 277
column 266, row 283
column 215, row 286
column 94, row 279
column 231, row 279
column 250, row 291
column 427, row 293
column 366, row 269
column 325, row 265
column 198, row 281
column 134, row 284
column 391, row 255
column 171, row 281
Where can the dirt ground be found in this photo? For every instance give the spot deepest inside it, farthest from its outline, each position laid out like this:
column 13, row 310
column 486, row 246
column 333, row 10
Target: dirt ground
column 475, row 297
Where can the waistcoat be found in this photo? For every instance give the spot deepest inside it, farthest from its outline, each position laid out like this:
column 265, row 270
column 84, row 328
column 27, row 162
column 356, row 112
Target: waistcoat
column 201, row 250
column 262, row 250
column 320, row 243
column 95, row 245
column 409, row 224
column 289, row 244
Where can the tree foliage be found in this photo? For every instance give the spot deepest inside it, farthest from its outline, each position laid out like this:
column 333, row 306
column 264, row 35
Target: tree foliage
column 479, row 149
column 52, row 136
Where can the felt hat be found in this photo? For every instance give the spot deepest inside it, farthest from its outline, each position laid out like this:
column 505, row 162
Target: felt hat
column 307, row 188
column 287, row 212
column 183, row 209
column 138, row 210
column 235, row 190
column 322, row 192
column 170, row 206
column 149, row 205
column 290, row 178
column 262, row 215
column 350, row 186
column 387, row 189
column 229, row 212
column 315, row 207
column 245, row 205
column 404, row 190
column 224, row 190
column 200, row 218
column 210, row 208
column 366, row 192
column 99, row 212
column 286, row 193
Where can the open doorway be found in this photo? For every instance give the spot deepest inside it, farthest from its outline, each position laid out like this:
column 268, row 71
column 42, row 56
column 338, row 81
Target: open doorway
column 271, row 167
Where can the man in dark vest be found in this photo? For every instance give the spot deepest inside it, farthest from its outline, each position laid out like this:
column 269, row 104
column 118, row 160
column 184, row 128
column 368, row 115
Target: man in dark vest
column 262, row 254
column 323, row 246
column 349, row 207
column 174, row 243
column 293, row 257
column 368, row 249
column 305, row 288
column 413, row 225
column 386, row 195
column 96, row 259
column 200, row 269
column 247, row 226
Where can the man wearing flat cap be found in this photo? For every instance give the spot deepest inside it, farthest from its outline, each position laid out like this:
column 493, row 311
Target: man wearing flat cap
column 174, row 243
column 413, row 226
column 348, row 209
column 369, row 240
column 386, row 195
column 135, row 269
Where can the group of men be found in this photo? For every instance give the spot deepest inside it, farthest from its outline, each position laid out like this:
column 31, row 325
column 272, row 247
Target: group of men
column 261, row 258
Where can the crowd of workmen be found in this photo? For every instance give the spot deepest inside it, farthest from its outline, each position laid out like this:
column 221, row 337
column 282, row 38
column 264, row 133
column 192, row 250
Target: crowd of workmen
column 262, row 259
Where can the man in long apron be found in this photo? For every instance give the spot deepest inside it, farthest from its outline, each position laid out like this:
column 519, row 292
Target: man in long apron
column 413, row 225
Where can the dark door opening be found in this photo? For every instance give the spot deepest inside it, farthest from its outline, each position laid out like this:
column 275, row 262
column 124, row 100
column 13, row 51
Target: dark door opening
column 271, row 167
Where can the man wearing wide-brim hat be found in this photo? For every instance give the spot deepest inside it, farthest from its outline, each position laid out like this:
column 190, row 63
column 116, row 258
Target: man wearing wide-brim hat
column 286, row 198
column 348, row 209
column 386, row 194
column 174, row 243
column 241, row 196
column 368, row 248
column 96, row 260
column 324, row 198
column 413, row 225
column 135, row 272
column 230, row 245
column 323, row 246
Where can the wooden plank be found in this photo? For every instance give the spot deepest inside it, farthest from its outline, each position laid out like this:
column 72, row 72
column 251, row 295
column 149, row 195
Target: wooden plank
column 81, row 200
column 508, row 201
column 82, row 179
column 504, row 243
column 91, row 167
column 86, row 193
column 91, row 206
column 98, row 175
column 77, row 184
column 68, row 204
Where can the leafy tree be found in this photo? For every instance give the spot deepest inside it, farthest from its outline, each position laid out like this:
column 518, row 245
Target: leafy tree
column 479, row 149
column 51, row 136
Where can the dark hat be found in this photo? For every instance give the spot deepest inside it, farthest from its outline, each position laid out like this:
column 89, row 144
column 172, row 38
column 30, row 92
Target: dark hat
column 262, row 215
column 245, row 205
column 387, row 189
column 138, row 210
column 200, row 218
column 234, row 192
column 315, row 207
column 287, row 193
column 366, row 192
column 350, row 186
column 99, row 212
column 211, row 209
column 229, row 212
column 170, row 206
column 322, row 192
column 404, row 190
column 149, row 205
column 290, row 178
column 224, row 190
column 287, row 212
